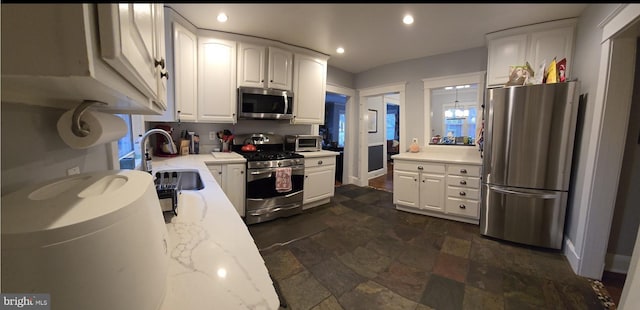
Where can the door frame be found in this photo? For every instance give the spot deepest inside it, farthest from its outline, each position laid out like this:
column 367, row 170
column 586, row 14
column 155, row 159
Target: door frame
column 400, row 88
column 350, row 144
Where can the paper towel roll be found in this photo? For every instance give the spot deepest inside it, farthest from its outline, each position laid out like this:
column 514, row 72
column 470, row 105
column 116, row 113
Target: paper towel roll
column 103, row 128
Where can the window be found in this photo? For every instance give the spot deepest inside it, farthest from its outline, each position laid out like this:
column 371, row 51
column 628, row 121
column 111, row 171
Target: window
column 125, row 145
column 341, row 129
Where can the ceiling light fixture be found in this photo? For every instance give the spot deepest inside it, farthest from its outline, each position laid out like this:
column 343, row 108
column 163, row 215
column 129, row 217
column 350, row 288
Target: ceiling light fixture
column 408, row 19
column 340, row 50
column 222, row 17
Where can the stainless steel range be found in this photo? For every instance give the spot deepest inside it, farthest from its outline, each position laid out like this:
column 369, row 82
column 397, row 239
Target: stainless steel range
column 275, row 178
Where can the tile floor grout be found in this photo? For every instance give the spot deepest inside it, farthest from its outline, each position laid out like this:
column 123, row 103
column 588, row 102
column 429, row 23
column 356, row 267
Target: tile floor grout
column 371, row 256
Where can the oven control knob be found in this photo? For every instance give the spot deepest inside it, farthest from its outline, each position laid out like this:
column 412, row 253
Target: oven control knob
column 279, row 163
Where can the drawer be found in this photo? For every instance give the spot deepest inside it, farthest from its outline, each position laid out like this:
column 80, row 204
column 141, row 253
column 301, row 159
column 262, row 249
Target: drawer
column 463, row 207
column 319, row 161
column 463, row 181
column 419, row 166
column 469, row 170
column 463, row 193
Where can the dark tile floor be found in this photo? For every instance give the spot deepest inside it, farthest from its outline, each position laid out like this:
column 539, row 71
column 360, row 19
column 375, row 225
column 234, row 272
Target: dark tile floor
column 358, row 252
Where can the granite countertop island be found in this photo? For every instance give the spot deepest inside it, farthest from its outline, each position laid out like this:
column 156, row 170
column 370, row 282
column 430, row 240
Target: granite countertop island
column 214, row 262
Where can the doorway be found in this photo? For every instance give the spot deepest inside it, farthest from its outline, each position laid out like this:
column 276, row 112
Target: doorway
column 333, row 131
column 383, row 179
column 372, row 128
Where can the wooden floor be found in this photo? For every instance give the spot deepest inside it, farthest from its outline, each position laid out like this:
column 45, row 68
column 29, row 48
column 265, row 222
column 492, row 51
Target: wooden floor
column 384, row 182
column 614, row 282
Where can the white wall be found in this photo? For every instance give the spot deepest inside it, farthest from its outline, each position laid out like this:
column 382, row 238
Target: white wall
column 33, row 152
column 340, row 77
column 586, row 67
column 376, row 103
column 413, row 71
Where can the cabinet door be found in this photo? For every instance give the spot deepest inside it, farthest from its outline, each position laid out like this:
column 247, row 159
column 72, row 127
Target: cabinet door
column 318, row 183
column 405, row 188
column 545, row 45
column 309, row 89
column 185, row 78
column 128, row 43
column 216, row 171
column 216, row 80
column 505, row 52
column 432, row 192
column 160, row 54
column 235, row 186
column 251, row 65
column 280, row 69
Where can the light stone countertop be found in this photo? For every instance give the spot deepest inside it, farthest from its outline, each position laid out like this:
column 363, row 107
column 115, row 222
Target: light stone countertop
column 214, row 262
column 441, row 157
column 322, row 153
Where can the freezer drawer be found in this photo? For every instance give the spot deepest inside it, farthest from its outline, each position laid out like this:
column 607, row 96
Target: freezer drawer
column 527, row 216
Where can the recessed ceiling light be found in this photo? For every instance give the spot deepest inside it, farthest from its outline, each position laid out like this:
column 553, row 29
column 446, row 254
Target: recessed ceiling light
column 340, row 50
column 408, row 19
column 222, row 17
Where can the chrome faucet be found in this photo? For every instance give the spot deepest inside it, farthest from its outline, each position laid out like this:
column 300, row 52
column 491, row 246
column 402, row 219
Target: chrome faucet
column 146, row 161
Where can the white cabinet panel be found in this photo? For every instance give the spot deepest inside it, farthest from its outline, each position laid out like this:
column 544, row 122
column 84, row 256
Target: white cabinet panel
column 185, row 47
column 280, row 69
column 432, row 192
column 251, row 65
column 505, row 52
column 231, row 178
column 216, row 80
column 405, row 188
column 545, row 45
column 309, row 89
column 318, row 183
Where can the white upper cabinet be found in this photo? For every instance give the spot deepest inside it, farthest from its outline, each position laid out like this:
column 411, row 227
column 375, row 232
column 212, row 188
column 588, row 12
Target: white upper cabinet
column 251, row 65
column 72, row 53
column 309, row 89
column 132, row 42
column 534, row 44
column 217, row 95
column 280, row 69
column 256, row 69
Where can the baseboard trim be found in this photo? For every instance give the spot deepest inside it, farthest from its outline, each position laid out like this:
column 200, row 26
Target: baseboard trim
column 617, row 263
column 570, row 252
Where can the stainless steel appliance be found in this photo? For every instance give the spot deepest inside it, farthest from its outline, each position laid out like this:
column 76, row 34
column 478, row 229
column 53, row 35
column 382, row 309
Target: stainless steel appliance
column 264, row 201
column 303, row 143
column 264, row 103
column 528, row 150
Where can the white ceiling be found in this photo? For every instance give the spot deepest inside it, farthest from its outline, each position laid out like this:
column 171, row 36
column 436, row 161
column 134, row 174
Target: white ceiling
column 373, row 34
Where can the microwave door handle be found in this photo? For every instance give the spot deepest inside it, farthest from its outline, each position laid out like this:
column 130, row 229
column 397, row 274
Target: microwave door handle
column 286, row 104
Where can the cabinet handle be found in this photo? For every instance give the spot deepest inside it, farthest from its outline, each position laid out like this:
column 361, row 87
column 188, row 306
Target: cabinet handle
column 463, row 194
column 463, row 182
column 306, row 176
column 462, row 206
column 159, row 63
column 164, row 75
column 241, row 172
column 423, row 181
column 219, row 172
column 463, row 170
column 415, row 180
column 319, row 162
column 271, row 81
column 420, row 168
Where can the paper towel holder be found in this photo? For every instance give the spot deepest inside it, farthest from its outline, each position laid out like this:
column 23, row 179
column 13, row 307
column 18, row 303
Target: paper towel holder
column 79, row 127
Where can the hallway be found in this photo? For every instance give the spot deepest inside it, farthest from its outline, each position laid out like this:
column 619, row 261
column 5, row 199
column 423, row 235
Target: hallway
column 384, row 182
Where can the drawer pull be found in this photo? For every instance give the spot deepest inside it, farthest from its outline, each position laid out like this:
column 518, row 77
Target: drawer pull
column 420, row 168
column 463, row 182
column 463, row 170
column 462, row 206
column 463, row 194
column 319, row 162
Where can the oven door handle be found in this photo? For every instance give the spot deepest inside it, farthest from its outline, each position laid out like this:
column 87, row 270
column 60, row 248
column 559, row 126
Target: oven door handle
column 270, row 170
column 265, row 211
column 286, row 196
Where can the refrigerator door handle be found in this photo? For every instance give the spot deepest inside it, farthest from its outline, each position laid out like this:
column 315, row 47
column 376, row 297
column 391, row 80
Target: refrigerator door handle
column 539, row 194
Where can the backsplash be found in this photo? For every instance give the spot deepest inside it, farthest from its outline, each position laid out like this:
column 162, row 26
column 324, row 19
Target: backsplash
column 280, row 127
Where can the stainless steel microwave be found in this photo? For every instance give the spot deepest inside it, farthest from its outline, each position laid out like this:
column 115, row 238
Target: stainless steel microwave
column 264, row 103
column 303, row 143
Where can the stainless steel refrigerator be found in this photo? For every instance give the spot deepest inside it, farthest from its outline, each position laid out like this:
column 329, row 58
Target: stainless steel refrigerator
column 528, row 147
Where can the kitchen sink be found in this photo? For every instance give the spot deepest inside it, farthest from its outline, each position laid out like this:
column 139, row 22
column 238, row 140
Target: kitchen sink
column 178, row 180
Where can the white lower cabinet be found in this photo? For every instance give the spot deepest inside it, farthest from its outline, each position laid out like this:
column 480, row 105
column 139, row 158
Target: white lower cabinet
column 438, row 189
column 319, row 181
column 231, row 178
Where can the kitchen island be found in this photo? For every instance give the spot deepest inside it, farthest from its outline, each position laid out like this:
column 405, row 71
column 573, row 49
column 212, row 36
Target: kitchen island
column 214, row 262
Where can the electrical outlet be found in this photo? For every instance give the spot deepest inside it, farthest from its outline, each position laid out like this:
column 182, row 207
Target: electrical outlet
column 414, row 140
column 212, row 135
column 74, row 170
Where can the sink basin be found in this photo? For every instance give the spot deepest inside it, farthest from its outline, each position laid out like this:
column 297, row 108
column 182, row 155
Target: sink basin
column 179, row 179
